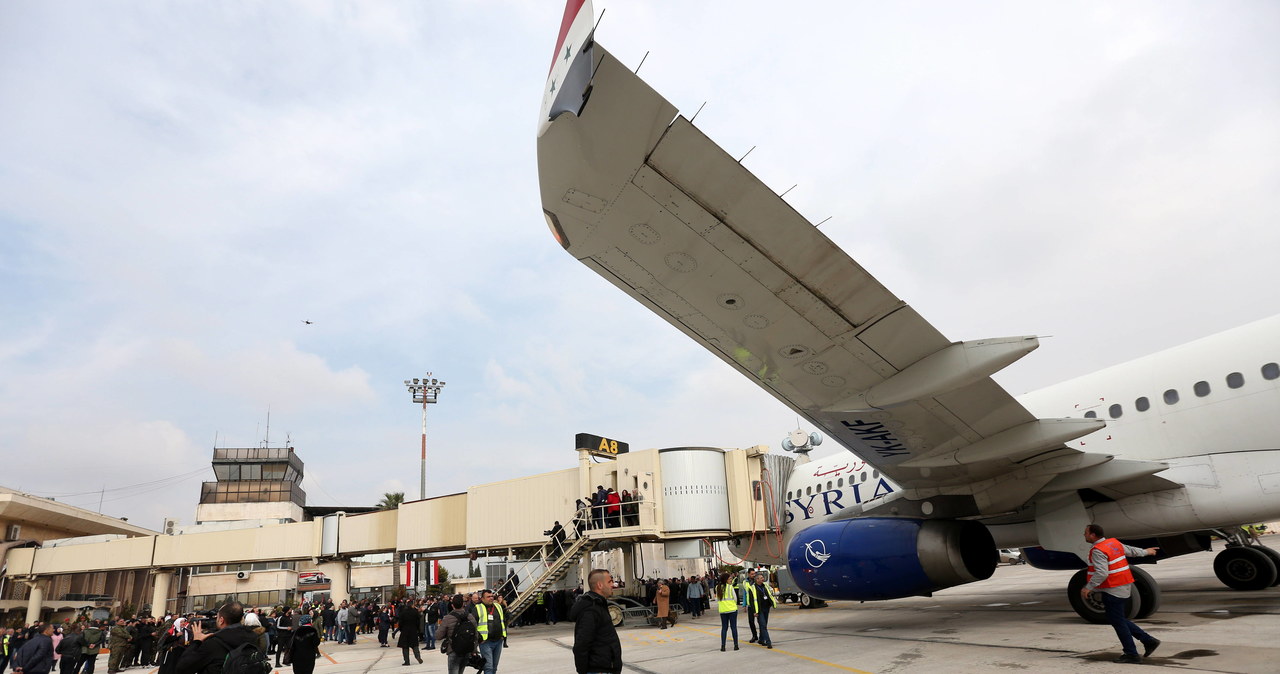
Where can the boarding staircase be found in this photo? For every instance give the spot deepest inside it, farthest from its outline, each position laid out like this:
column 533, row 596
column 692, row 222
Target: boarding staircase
column 555, row 570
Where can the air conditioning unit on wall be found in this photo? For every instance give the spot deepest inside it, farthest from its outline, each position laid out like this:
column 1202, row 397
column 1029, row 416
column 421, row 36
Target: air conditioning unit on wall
column 13, row 533
column 170, row 526
column 242, row 575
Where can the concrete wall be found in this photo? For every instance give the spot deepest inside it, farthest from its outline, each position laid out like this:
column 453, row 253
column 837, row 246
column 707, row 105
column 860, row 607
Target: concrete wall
column 280, row 542
column 227, row 583
column 368, row 532
column 232, row 512
column 432, row 524
column 516, row 512
column 377, row 575
column 129, row 553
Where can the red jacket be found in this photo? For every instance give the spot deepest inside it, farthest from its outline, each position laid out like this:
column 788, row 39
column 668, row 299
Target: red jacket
column 614, row 502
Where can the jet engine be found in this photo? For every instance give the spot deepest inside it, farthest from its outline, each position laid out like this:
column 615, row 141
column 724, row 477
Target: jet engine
column 887, row 558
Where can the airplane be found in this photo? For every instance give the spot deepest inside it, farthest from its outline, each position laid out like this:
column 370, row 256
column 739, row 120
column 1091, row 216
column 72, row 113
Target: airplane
column 943, row 466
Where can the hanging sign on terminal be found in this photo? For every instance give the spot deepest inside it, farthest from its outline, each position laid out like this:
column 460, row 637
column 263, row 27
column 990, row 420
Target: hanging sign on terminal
column 600, row 446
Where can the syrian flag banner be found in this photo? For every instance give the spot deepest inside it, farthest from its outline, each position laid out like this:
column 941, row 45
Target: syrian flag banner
column 434, row 572
column 408, row 573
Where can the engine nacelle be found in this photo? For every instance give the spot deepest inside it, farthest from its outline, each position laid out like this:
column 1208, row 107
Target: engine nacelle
column 887, row 558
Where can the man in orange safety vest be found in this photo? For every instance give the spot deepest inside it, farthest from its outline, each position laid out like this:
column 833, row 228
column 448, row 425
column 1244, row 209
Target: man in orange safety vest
column 1109, row 574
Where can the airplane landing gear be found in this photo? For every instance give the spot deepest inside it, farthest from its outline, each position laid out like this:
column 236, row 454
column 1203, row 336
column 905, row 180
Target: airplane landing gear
column 811, row 602
column 1244, row 565
column 1093, row 611
column 1148, row 592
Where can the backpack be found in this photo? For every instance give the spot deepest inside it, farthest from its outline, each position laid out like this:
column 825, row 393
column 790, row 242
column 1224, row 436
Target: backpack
column 246, row 659
column 464, row 637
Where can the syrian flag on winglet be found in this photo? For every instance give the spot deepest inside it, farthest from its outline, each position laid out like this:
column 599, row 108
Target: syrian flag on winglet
column 571, row 64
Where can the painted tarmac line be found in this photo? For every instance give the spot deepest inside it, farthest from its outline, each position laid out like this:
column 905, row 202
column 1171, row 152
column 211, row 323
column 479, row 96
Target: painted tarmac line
column 775, row 649
column 326, row 655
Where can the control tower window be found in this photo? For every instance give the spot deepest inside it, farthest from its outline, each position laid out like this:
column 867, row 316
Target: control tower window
column 1171, row 397
column 1201, row 388
column 1235, row 380
column 1142, row 404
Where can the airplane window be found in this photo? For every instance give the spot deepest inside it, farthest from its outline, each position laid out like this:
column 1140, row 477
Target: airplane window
column 808, row 491
column 875, row 474
column 788, row 496
column 1270, row 371
column 1115, row 411
column 1201, row 388
column 864, row 477
column 828, row 485
column 1235, row 380
column 1171, row 397
column 840, row 482
column 1091, row 415
column 1142, row 404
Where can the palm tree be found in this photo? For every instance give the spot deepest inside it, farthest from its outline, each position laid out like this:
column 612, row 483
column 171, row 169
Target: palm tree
column 391, row 501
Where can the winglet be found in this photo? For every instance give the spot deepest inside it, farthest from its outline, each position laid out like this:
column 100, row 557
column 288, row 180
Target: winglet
column 569, row 77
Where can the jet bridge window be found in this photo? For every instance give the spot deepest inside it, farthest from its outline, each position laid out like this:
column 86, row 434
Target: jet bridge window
column 1091, row 415
column 1171, row 397
column 1115, row 411
column 1142, row 404
column 1201, row 388
column 1270, row 371
column 1235, row 380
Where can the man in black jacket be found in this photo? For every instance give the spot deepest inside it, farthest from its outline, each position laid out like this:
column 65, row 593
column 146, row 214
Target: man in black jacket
column 596, row 648
column 36, row 655
column 207, row 651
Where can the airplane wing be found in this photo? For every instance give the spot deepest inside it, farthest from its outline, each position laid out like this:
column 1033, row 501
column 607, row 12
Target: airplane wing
column 641, row 196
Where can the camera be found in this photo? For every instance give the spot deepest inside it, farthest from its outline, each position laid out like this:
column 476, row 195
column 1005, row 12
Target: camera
column 208, row 622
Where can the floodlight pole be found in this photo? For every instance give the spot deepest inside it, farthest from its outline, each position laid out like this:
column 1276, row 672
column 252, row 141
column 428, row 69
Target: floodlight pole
column 425, row 390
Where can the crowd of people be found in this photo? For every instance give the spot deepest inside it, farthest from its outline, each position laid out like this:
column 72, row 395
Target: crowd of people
column 470, row 629
column 607, row 509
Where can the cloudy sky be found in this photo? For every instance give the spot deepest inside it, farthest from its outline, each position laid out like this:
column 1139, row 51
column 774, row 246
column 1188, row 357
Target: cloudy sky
column 183, row 184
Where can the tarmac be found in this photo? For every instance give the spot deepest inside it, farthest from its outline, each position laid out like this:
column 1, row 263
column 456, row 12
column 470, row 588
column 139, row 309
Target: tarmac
column 1019, row 620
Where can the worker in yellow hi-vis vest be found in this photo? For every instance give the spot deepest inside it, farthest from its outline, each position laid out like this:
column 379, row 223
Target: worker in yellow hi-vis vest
column 491, row 626
column 761, row 599
column 727, row 601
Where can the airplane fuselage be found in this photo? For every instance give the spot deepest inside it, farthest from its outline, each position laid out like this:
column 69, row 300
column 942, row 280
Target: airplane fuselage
column 1210, row 409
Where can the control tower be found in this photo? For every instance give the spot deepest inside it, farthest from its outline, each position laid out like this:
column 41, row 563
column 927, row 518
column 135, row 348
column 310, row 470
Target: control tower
column 253, row 483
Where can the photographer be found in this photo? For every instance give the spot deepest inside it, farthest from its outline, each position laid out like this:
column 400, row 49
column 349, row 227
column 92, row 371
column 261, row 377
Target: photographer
column 211, row 648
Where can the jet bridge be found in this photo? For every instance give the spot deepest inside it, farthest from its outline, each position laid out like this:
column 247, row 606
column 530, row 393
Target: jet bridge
column 685, row 495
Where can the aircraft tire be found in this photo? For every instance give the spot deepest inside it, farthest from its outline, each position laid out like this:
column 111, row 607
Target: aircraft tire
column 1148, row 592
column 806, row 601
column 616, row 615
column 1244, row 567
column 1275, row 557
column 1092, row 610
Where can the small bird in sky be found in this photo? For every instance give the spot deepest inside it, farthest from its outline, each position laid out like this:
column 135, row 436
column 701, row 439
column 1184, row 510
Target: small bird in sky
column 308, row 322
